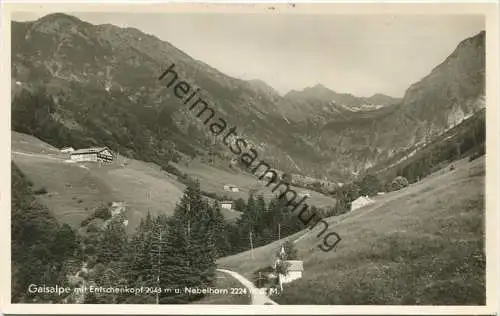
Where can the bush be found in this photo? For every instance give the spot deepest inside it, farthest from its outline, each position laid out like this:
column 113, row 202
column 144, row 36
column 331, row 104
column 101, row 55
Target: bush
column 398, row 183
column 290, row 251
column 369, row 185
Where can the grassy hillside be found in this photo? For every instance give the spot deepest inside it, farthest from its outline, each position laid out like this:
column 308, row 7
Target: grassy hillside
column 213, row 179
column 420, row 245
column 74, row 190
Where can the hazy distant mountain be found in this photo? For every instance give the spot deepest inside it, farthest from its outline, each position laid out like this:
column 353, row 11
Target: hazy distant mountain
column 382, row 99
column 105, row 80
column 452, row 92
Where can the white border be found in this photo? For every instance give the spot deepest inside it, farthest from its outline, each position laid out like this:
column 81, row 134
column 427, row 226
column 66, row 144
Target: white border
column 490, row 10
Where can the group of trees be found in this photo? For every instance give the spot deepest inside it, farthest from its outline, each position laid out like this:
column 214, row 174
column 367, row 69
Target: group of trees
column 164, row 253
column 34, row 113
column 91, row 116
column 262, row 223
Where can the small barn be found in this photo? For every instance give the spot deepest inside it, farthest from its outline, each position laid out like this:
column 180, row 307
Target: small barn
column 95, row 154
column 228, row 205
column 235, row 189
column 360, row 202
column 231, row 188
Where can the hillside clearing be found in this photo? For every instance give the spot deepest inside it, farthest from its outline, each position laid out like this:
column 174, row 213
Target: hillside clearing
column 74, row 190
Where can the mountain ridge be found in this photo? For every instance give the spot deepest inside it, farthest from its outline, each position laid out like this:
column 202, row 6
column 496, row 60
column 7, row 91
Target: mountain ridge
column 309, row 133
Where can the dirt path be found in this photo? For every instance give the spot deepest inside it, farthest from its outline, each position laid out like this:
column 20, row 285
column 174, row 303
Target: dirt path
column 259, row 296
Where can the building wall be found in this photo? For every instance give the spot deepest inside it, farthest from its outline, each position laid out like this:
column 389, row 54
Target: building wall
column 226, row 206
column 102, row 156
column 291, row 276
column 84, row 157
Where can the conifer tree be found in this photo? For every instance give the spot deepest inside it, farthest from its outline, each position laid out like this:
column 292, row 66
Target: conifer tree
column 221, row 231
column 190, row 245
column 113, row 244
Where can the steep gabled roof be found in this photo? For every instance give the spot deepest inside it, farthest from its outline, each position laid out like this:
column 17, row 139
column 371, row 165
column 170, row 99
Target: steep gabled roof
column 91, row 150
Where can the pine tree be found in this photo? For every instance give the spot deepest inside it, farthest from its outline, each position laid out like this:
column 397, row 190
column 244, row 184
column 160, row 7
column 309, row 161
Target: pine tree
column 290, row 251
column 190, row 245
column 113, row 243
column 221, row 231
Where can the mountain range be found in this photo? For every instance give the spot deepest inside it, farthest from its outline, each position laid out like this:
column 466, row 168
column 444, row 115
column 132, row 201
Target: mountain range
column 104, row 82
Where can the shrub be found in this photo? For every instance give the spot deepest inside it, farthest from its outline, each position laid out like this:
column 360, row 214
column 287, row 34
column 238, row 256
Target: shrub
column 398, row 183
column 290, row 251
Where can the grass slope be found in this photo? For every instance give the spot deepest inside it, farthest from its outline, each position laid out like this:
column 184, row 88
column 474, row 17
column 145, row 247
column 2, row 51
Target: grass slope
column 75, row 189
column 420, row 245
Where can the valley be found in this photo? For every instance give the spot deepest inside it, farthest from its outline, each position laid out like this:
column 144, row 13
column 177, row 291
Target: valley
column 400, row 180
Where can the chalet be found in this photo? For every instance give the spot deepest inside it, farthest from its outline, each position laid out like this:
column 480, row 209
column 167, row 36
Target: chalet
column 103, row 154
column 235, row 189
column 360, row 202
column 226, row 204
column 231, row 188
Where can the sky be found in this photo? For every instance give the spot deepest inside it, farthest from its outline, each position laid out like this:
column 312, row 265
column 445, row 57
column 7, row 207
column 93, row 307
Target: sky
column 362, row 55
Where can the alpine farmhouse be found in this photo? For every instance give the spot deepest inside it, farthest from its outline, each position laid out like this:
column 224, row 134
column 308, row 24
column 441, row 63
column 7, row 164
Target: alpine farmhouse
column 95, row 154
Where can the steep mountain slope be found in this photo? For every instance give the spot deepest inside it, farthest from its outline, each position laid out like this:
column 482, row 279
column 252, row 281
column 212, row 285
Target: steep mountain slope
column 100, row 72
column 104, row 79
column 453, row 91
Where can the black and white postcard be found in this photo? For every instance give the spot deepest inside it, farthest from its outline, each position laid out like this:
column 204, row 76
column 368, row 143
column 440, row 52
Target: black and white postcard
column 197, row 158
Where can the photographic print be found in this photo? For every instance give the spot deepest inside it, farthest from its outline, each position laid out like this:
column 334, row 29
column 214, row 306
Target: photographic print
column 268, row 156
